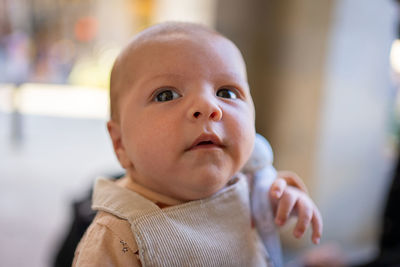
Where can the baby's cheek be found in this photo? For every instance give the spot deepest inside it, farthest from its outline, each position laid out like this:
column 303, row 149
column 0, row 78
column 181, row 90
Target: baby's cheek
column 243, row 138
column 247, row 148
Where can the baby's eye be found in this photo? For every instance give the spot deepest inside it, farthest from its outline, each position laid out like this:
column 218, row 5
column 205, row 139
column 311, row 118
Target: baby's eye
column 227, row 93
column 166, row 95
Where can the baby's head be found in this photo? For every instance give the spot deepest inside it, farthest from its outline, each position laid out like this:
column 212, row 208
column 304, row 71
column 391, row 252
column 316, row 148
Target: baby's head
column 182, row 117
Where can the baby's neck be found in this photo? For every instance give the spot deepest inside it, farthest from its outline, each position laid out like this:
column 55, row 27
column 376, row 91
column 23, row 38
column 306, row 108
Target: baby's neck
column 160, row 199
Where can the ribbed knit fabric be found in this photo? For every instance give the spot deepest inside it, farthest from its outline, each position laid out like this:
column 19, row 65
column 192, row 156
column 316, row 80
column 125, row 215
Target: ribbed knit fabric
column 210, row 232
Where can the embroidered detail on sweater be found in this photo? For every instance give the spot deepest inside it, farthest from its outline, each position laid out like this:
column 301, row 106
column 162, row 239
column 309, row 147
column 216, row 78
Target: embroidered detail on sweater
column 124, row 246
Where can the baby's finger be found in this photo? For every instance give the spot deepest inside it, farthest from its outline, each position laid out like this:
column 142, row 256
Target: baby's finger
column 277, row 188
column 317, row 226
column 305, row 214
column 285, row 206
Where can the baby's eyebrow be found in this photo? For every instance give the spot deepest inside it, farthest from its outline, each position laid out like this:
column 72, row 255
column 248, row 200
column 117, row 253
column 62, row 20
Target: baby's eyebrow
column 231, row 76
column 155, row 80
column 223, row 78
column 163, row 76
column 169, row 75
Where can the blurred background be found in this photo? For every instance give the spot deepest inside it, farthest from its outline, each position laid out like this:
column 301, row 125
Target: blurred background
column 324, row 76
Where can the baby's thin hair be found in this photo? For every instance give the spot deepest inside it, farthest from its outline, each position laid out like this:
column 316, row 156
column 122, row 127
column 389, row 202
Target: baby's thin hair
column 162, row 29
column 172, row 27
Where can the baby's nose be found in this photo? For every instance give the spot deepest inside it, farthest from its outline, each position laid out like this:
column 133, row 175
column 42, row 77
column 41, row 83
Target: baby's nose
column 205, row 108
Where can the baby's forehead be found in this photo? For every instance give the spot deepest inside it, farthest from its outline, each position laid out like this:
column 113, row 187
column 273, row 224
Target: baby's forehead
column 200, row 53
column 159, row 45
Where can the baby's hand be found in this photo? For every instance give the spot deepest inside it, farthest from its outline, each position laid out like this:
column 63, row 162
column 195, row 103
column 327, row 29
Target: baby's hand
column 287, row 200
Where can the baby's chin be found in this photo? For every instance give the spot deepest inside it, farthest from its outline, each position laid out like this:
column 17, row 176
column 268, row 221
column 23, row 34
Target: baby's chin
column 207, row 190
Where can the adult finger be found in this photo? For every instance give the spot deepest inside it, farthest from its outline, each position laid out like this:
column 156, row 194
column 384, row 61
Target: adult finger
column 293, row 179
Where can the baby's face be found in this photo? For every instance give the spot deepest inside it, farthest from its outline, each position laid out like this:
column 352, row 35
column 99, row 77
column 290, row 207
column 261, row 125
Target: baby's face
column 187, row 119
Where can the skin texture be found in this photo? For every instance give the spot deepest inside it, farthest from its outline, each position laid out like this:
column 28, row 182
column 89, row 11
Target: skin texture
column 203, row 77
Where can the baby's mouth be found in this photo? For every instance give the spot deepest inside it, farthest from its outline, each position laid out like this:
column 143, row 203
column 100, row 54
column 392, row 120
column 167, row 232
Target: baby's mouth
column 206, row 141
column 203, row 143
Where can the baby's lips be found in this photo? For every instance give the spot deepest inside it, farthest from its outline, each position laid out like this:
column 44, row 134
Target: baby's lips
column 206, row 139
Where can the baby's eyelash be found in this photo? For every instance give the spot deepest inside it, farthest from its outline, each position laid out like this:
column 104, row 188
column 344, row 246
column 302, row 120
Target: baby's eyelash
column 165, row 94
column 226, row 93
column 229, row 92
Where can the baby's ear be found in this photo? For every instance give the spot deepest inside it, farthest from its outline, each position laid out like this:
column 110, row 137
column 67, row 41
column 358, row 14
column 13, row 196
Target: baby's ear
column 114, row 129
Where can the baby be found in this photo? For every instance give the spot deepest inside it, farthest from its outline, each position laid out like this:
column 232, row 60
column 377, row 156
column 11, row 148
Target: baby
column 182, row 126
